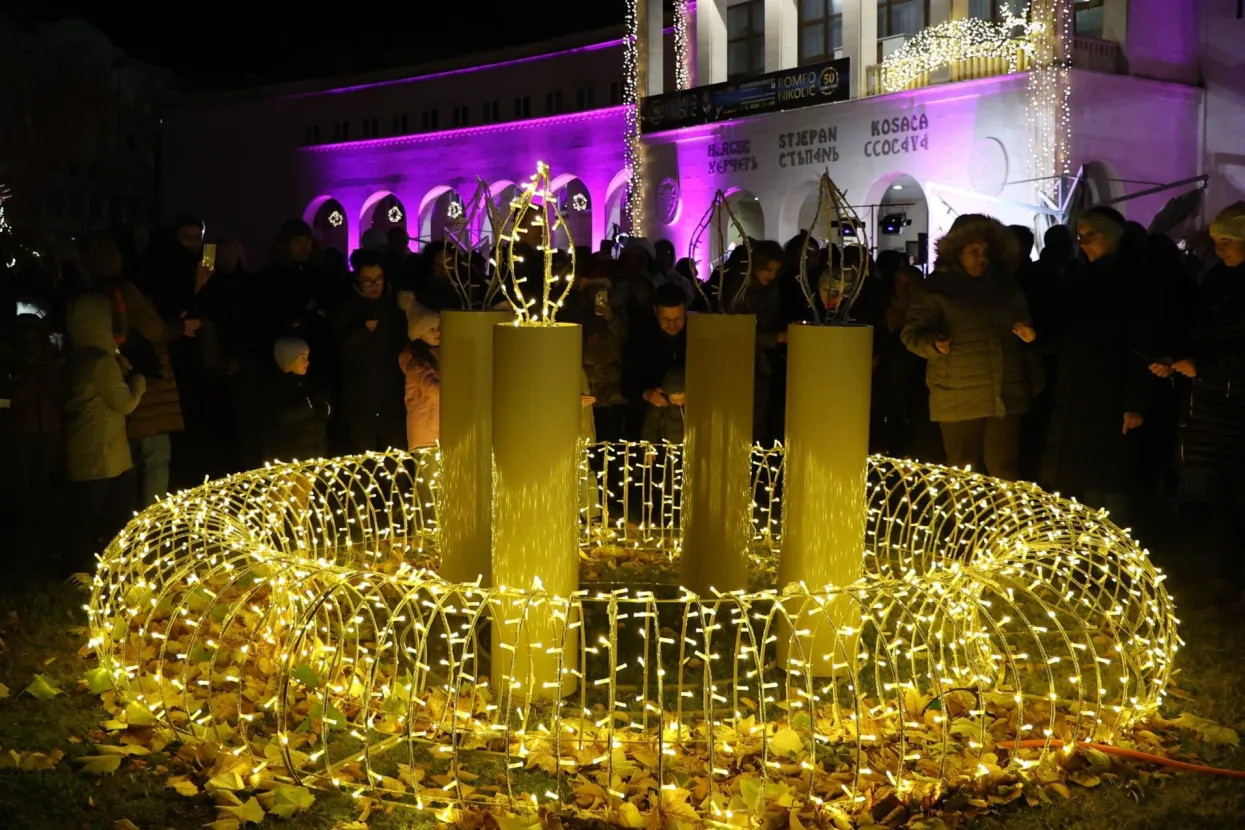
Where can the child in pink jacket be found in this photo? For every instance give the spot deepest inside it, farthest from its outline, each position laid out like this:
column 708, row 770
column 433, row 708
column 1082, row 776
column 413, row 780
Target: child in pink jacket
column 421, row 363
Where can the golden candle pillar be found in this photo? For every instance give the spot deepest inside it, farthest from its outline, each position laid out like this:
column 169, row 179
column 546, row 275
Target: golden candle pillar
column 466, row 503
column 829, row 371
column 717, row 453
column 536, row 454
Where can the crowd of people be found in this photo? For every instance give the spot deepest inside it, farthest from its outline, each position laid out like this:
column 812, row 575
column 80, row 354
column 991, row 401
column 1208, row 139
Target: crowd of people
column 1102, row 368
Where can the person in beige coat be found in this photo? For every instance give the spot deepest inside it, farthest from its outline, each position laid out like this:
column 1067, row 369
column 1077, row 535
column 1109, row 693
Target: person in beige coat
column 103, row 390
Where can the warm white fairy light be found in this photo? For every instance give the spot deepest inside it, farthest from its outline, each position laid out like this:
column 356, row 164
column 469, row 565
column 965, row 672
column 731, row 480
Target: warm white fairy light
column 967, row 38
column 454, row 210
column 682, row 46
column 534, row 220
column 1050, row 82
column 633, row 149
column 280, row 618
column 336, row 218
column 579, row 202
column 395, row 214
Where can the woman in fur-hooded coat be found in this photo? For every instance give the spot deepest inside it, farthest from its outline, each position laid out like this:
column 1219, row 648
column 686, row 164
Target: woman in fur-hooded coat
column 969, row 320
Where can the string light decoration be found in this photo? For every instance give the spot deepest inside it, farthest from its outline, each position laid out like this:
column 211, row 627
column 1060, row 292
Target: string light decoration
column 336, row 218
column 633, row 148
column 283, row 617
column 970, row 42
column 682, row 46
column 716, row 219
column 579, row 202
column 1050, row 94
column 395, row 214
column 847, row 279
column 533, row 223
column 455, row 210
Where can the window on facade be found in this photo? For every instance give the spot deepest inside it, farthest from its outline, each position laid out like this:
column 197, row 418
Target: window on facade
column 745, row 39
column 523, row 107
column 994, row 10
column 902, row 17
column 428, row 119
column 821, row 30
column 1088, row 19
column 615, row 93
column 585, row 98
column 311, row 135
column 341, row 131
column 553, row 103
column 400, row 124
column 371, row 128
column 490, row 112
column 461, row 117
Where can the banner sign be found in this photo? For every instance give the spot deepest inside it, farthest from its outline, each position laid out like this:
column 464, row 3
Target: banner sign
column 803, row 86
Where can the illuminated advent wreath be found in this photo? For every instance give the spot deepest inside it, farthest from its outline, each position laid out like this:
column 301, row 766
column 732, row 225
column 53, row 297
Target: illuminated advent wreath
column 283, row 613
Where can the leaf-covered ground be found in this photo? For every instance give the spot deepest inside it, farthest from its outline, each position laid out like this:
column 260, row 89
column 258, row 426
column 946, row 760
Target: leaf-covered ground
column 60, row 769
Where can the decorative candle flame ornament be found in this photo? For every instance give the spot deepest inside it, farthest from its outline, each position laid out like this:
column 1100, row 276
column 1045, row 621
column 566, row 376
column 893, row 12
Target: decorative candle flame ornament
column 847, row 278
column 715, row 221
column 528, row 231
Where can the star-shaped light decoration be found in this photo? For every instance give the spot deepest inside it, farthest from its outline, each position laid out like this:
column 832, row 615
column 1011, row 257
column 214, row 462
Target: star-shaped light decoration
column 336, row 218
column 395, row 214
column 579, row 202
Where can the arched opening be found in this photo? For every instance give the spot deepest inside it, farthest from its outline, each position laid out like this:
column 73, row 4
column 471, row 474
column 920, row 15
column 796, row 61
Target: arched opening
column 441, row 209
column 747, row 210
column 575, row 205
column 329, row 223
column 615, row 204
column 902, row 219
column 382, row 212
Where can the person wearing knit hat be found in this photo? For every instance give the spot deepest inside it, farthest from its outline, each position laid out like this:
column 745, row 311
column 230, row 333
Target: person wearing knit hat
column 1228, row 231
column 292, row 354
column 298, row 409
column 420, row 321
column 1100, row 231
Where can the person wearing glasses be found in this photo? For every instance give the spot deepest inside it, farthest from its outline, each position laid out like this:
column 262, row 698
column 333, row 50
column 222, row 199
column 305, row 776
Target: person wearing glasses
column 1105, row 324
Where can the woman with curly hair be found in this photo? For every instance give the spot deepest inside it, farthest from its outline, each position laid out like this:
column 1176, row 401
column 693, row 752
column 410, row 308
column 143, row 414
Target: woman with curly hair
column 969, row 320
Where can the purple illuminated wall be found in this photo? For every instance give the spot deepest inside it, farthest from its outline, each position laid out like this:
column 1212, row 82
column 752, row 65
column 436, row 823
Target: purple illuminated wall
column 420, row 169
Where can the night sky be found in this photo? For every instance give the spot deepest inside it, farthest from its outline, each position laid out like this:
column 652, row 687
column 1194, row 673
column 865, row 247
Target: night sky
column 226, row 44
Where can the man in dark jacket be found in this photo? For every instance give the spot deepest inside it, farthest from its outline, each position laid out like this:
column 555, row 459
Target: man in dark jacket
column 653, row 351
column 371, row 332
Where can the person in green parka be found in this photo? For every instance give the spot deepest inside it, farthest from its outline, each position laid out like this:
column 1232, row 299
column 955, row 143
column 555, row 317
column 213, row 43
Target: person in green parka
column 103, row 390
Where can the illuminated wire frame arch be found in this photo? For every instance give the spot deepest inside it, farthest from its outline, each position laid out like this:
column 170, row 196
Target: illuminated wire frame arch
column 969, row 47
column 289, row 614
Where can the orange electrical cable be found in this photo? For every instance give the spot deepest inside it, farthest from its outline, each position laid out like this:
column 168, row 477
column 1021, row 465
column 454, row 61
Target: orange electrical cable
column 1125, row 753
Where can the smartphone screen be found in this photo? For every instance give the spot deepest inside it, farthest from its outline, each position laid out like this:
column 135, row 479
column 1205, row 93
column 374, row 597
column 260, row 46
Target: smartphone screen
column 209, row 255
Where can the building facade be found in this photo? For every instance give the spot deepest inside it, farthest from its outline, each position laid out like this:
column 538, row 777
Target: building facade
column 82, row 147
column 1141, row 99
